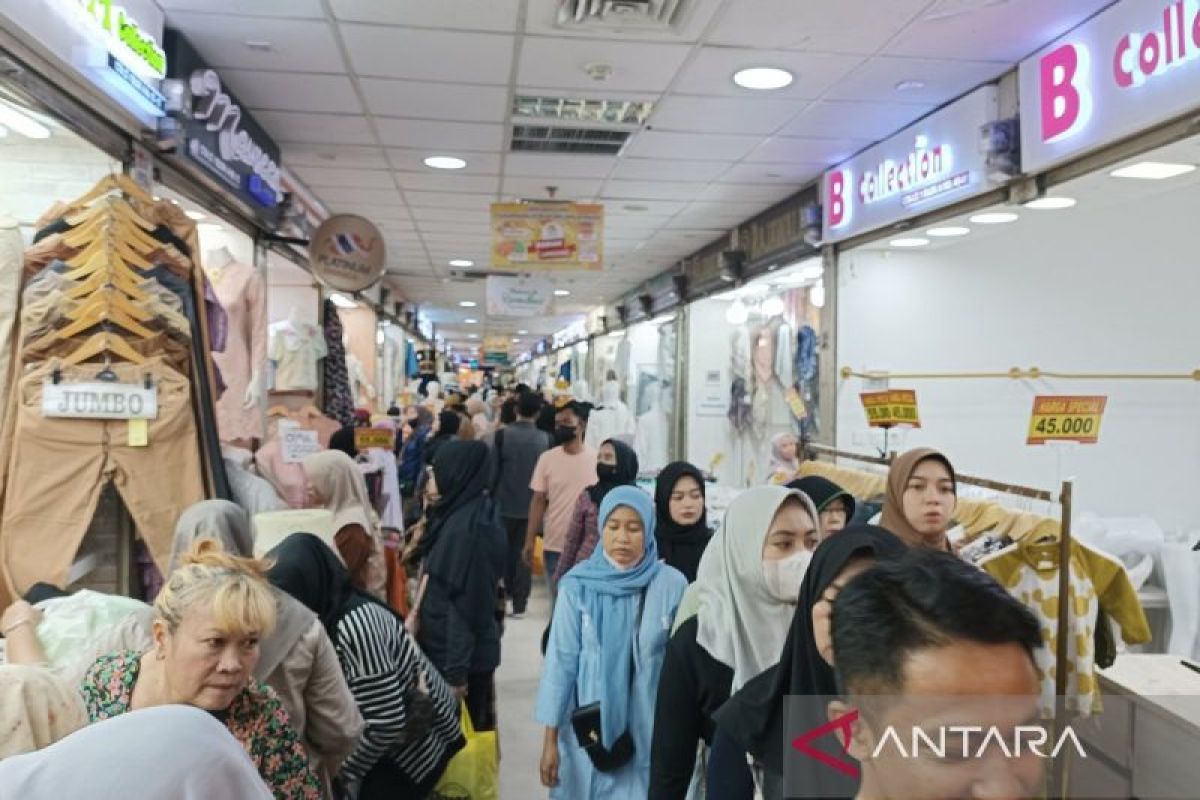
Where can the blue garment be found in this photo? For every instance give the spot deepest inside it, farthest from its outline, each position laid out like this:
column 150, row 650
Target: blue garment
column 412, row 367
column 594, row 644
column 412, row 458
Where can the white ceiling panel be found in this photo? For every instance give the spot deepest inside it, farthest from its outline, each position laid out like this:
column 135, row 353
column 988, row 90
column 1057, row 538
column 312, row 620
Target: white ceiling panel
column 452, row 228
column 697, row 13
column 832, row 118
column 411, row 160
column 540, row 165
column 724, row 115
column 788, row 172
column 711, row 72
column 788, row 149
column 429, row 55
column 280, row 91
column 650, row 190
column 654, row 169
column 877, row 80
column 381, row 215
column 845, row 26
column 696, row 146
column 434, row 181
column 764, row 193
column 319, row 178
column 292, row 126
column 298, row 45
column 636, row 67
column 478, row 217
column 446, row 138
column 370, row 197
column 477, row 15
column 642, row 208
column 260, row 8
column 569, row 189
column 714, row 215
column 466, row 202
column 449, row 101
column 341, row 156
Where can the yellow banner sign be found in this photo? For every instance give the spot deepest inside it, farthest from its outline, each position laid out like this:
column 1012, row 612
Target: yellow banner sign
column 891, row 408
column 1066, row 419
column 547, row 236
column 366, row 438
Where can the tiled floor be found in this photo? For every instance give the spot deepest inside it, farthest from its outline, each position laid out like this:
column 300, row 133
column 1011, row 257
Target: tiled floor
column 516, row 690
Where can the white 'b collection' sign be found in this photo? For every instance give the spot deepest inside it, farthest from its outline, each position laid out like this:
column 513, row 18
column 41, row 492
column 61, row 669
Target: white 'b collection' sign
column 99, row 401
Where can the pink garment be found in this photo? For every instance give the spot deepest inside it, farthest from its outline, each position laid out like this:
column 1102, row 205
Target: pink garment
column 243, row 296
column 288, row 479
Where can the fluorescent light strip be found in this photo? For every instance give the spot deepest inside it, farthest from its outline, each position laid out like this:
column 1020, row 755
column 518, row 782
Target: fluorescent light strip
column 1143, row 170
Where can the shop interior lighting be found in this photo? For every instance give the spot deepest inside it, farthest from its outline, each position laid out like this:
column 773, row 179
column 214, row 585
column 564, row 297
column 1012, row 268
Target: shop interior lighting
column 195, row 215
column 762, row 78
column 445, row 162
column 28, row 127
column 379, row 336
column 561, row 293
column 948, row 231
column 471, row 321
column 1143, row 170
column 995, row 218
column 462, row 262
column 816, row 295
column 737, row 313
column 522, row 332
column 467, row 303
column 516, row 340
column 341, row 301
column 472, row 335
column 909, row 241
column 1051, row 203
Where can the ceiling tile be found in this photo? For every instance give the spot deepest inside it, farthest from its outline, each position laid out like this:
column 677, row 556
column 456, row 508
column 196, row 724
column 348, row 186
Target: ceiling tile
column 788, row 172
column 715, row 215
column 558, row 166
column 711, row 72
column 832, row 118
column 791, row 149
column 694, row 18
column 341, row 156
column 704, row 147
column 318, row 178
column 390, row 215
column 654, row 169
column 447, row 138
column 724, row 115
column 289, row 91
column 412, row 160
column 292, row 126
column 299, row 45
column 450, row 101
column 650, row 190
column 877, row 79
column 847, row 26
column 438, row 181
column 636, row 67
column 475, row 216
column 261, row 8
column 568, row 189
column 433, row 55
column 457, row 228
column 447, row 200
column 488, row 15
column 748, row 192
column 645, row 208
column 371, row 197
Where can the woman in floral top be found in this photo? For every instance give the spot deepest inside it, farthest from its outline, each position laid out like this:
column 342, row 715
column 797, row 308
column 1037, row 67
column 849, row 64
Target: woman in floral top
column 209, row 618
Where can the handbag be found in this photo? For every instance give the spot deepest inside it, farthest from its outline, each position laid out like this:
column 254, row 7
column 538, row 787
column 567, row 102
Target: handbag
column 585, row 721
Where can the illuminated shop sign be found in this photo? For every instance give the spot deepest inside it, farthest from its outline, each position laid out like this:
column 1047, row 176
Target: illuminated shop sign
column 125, row 37
column 929, row 164
column 117, row 54
column 1132, row 66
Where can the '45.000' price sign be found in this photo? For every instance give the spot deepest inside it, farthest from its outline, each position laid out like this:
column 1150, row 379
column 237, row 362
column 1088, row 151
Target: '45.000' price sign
column 1066, row 419
column 891, row 408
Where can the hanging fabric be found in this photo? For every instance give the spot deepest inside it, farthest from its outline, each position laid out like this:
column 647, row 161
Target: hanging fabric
column 339, row 402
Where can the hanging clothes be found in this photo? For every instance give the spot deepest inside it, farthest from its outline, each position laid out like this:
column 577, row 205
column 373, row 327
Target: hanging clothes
column 611, row 419
column 807, row 375
column 242, row 294
column 339, row 402
column 11, row 246
column 295, row 349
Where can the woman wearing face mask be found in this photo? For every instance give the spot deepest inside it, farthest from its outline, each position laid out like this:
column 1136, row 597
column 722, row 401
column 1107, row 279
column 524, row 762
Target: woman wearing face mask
column 747, row 587
column 606, row 648
column 922, row 495
column 616, row 465
column 834, row 504
column 753, row 719
column 682, row 530
column 785, row 460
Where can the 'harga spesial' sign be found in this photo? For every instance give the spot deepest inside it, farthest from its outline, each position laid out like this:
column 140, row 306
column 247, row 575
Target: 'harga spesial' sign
column 929, row 164
column 1132, row 66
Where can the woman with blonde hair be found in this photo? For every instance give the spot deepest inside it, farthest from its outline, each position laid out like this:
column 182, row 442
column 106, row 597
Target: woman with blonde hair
column 208, row 621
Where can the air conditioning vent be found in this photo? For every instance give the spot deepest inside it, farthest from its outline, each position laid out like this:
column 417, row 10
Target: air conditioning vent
column 655, row 15
column 556, row 139
column 579, row 111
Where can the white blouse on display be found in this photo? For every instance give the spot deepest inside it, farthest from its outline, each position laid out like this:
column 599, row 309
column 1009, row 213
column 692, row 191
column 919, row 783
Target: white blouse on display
column 296, row 348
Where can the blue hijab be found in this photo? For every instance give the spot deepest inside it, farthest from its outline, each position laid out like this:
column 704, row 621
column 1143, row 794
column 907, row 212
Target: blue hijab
column 612, row 597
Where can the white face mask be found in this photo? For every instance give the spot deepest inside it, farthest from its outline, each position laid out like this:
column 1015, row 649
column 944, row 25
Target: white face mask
column 615, row 565
column 785, row 576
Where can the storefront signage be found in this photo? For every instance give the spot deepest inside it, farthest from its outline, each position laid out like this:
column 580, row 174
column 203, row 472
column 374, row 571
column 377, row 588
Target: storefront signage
column 221, row 137
column 1130, row 67
column 891, row 408
column 575, row 332
column 1066, row 419
column 933, row 163
column 123, row 35
column 99, row 401
column 519, row 297
column 348, row 253
column 367, row 438
column 547, row 235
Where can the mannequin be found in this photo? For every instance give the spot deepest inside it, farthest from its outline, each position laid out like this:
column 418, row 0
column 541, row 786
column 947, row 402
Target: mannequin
column 360, row 385
column 611, row 418
column 652, row 441
column 241, row 292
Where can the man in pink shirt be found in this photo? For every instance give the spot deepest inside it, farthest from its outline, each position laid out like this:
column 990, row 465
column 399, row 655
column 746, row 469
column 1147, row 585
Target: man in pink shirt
column 561, row 474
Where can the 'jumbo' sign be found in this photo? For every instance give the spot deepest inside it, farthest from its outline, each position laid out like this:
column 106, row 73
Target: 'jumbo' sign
column 99, row 400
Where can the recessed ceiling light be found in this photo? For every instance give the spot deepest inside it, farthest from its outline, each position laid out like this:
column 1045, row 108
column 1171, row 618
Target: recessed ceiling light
column 461, row 262
column 947, row 231
column 522, row 332
column 467, row 303
column 1051, row 203
column 472, row 335
column 1152, row 170
column 995, row 218
column 471, row 321
column 516, row 341
column 909, row 241
column 762, row 78
column 910, row 86
column 561, row 293
column 445, row 162
column 196, row 215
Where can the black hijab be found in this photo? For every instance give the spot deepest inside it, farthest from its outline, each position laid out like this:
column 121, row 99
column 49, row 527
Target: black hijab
column 448, row 423
column 754, row 717
column 308, row 569
column 680, row 545
column 823, row 491
column 626, row 473
column 343, row 439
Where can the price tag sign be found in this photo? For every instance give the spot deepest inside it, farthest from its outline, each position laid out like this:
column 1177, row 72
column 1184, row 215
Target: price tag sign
column 298, row 444
column 796, row 404
column 891, row 408
column 99, row 400
column 1066, row 419
column 366, row 438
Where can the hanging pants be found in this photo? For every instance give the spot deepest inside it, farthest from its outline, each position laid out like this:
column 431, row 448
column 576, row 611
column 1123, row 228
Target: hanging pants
column 58, row 468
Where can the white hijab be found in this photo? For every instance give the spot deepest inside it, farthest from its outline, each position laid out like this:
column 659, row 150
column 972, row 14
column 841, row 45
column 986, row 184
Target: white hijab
column 162, row 753
column 740, row 623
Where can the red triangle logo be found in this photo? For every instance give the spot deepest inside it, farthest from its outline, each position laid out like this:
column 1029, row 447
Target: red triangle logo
column 844, row 723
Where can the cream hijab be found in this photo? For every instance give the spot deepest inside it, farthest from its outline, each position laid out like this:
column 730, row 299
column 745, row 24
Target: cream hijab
column 162, row 753
column 339, row 481
column 37, row 708
column 740, row 623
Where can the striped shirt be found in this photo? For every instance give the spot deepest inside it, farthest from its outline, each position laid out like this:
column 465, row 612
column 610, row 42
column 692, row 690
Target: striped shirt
column 382, row 662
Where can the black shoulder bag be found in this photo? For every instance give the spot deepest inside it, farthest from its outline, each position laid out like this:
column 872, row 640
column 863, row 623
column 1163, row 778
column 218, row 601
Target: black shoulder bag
column 586, row 721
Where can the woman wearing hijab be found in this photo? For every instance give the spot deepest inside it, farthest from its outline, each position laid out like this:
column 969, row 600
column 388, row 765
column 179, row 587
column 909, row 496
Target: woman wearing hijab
column 464, row 549
column 748, row 583
column 753, row 719
column 37, row 708
column 785, row 461
column 616, row 465
column 477, row 410
column 164, row 753
column 412, row 716
column 297, row 659
column 682, row 529
column 922, row 495
column 335, row 482
column 835, row 505
column 605, row 654
column 448, row 423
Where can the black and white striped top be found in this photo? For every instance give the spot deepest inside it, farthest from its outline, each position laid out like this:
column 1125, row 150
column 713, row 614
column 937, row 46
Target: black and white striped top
column 381, row 662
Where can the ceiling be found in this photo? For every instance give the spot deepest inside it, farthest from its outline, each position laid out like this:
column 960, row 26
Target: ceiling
column 359, row 92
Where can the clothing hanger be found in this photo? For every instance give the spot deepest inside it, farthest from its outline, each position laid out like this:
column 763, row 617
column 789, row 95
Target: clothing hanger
column 113, row 182
column 128, row 284
column 104, row 342
column 111, row 224
column 107, row 253
column 98, row 311
column 113, row 207
column 1040, row 546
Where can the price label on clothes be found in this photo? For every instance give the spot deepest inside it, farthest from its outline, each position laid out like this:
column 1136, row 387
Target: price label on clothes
column 891, row 408
column 99, row 400
column 1066, row 419
column 366, row 438
column 298, row 444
